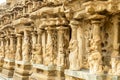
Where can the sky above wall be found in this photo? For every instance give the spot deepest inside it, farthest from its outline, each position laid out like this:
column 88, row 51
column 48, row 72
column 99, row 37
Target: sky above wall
column 1, row 1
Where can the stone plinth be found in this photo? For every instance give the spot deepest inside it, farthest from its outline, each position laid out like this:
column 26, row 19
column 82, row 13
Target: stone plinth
column 116, row 78
column 42, row 72
column 83, row 75
column 8, row 68
column 22, row 71
column 1, row 63
column 4, row 78
column 60, row 73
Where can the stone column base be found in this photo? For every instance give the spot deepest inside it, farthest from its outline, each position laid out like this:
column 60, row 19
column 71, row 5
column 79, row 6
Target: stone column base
column 41, row 72
column 60, row 73
column 22, row 71
column 1, row 63
column 8, row 68
column 7, row 73
column 83, row 75
column 20, row 77
column 2, row 77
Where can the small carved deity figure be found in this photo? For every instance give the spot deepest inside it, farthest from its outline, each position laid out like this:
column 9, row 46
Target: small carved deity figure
column 95, row 60
column 37, row 54
column 74, row 56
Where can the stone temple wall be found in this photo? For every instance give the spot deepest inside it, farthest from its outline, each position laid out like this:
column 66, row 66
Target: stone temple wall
column 60, row 40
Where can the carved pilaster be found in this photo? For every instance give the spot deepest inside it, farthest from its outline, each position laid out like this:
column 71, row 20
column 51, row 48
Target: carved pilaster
column 26, row 49
column 115, row 57
column 2, row 47
column 12, row 47
column 49, row 56
column 34, row 39
column 37, row 49
column 19, row 48
column 2, row 52
column 61, row 47
column 73, row 46
column 95, row 57
column 7, row 48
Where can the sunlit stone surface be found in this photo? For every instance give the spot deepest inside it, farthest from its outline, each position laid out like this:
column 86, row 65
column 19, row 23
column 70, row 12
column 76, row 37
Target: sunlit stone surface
column 60, row 40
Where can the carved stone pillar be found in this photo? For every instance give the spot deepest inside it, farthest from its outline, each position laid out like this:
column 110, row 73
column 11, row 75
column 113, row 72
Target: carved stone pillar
column 6, row 47
column 34, row 39
column 26, row 50
column 23, row 67
column 61, row 49
column 9, row 61
column 2, row 52
column 12, row 48
column 39, row 54
column 95, row 57
column 19, row 48
column 73, row 46
column 37, row 57
column 115, row 56
column 49, row 56
column 37, row 48
column 2, row 47
column 61, row 56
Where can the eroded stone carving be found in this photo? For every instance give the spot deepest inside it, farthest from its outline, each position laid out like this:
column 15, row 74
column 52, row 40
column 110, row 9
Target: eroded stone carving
column 7, row 48
column 49, row 56
column 74, row 53
column 26, row 50
column 12, row 48
column 61, row 50
column 95, row 60
column 19, row 47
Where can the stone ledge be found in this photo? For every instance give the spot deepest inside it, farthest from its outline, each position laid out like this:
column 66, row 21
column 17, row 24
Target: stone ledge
column 8, row 60
column 43, row 67
column 4, row 78
column 84, row 75
column 60, row 69
column 22, row 63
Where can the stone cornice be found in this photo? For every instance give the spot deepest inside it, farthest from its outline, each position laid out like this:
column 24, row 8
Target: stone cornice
column 22, row 21
column 47, row 10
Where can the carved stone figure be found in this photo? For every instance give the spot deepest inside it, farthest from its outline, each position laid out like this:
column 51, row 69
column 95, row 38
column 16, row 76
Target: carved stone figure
column 73, row 56
column 95, row 60
column 37, row 54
